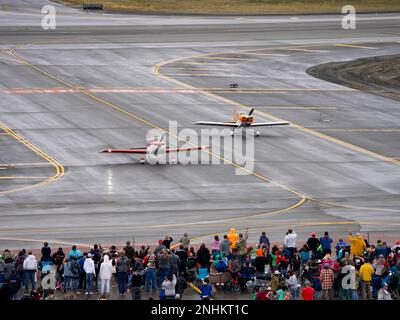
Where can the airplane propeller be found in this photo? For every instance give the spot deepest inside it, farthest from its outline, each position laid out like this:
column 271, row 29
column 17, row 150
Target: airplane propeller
column 251, row 112
column 162, row 140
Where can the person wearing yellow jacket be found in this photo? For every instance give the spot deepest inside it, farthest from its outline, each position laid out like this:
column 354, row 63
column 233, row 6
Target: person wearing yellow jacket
column 357, row 244
column 366, row 273
column 233, row 238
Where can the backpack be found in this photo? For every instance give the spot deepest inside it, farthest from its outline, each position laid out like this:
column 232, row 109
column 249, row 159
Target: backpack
column 221, row 266
column 75, row 269
column 122, row 265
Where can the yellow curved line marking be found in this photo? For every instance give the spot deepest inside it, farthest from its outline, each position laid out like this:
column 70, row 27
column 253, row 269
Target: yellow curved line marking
column 170, row 225
column 51, row 241
column 349, row 206
column 59, row 168
column 354, row 46
column 302, row 199
column 21, row 177
column 156, row 70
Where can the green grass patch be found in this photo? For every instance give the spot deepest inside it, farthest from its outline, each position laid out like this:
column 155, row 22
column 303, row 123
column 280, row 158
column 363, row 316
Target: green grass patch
column 240, row 6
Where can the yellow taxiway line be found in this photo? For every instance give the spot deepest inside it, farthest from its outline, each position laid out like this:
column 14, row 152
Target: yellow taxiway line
column 59, row 168
column 296, row 108
column 354, row 46
column 302, row 198
column 21, row 177
column 229, row 58
column 359, row 130
column 307, row 50
column 156, row 70
column 47, row 240
column 269, row 225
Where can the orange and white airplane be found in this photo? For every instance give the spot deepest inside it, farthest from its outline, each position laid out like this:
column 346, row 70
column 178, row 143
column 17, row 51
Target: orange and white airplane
column 154, row 150
column 242, row 120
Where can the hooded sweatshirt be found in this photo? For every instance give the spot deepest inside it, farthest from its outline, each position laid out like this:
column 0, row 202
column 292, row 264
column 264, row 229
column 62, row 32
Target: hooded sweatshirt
column 233, row 238
column 30, row 263
column 88, row 266
column 224, row 247
column 169, row 286
column 357, row 245
column 106, row 269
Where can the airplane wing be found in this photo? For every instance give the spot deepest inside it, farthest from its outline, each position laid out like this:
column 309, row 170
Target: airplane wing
column 132, row 150
column 270, row 124
column 222, row 124
column 168, row 150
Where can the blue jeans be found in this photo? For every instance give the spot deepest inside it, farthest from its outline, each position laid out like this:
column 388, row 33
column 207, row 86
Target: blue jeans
column 150, row 276
column 162, row 274
column 282, row 270
column 294, row 293
column 354, row 294
column 122, row 282
column 89, row 282
column 67, row 283
column 29, row 276
column 21, row 278
column 75, row 284
column 290, row 251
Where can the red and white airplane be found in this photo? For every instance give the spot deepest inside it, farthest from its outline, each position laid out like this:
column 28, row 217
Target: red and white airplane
column 154, row 150
column 242, row 120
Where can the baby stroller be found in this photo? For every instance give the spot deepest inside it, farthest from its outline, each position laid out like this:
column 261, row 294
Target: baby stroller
column 261, row 280
column 219, row 279
column 232, row 285
column 247, row 278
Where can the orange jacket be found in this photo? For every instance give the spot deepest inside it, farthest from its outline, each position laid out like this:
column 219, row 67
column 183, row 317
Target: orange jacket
column 233, row 238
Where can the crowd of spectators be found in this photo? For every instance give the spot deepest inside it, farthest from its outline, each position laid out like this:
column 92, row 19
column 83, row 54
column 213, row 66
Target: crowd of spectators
column 321, row 268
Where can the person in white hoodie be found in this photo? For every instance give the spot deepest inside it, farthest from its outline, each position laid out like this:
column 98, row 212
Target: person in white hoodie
column 30, row 268
column 90, row 271
column 105, row 274
column 169, row 286
column 384, row 293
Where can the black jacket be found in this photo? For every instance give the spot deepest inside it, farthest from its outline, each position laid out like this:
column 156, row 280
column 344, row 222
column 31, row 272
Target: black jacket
column 313, row 243
column 137, row 279
column 259, row 263
column 129, row 251
column 203, row 257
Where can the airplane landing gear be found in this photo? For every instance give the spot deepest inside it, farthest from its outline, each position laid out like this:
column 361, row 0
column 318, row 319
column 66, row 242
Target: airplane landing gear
column 257, row 133
column 232, row 133
column 173, row 160
column 142, row 160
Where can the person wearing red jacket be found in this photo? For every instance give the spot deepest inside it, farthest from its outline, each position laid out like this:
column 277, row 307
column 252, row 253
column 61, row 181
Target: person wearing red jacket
column 307, row 293
column 283, row 263
column 261, row 294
